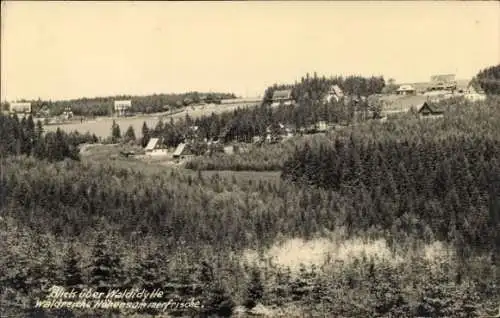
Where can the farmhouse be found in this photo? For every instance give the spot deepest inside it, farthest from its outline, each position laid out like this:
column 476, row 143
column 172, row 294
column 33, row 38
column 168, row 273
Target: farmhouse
column 155, row 147
column 183, row 151
column 406, row 90
column 20, row 107
column 321, row 126
column 334, row 93
column 282, row 97
column 474, row 93
column 443, row 78
column 121, row 107
column 444, row 82
column 277, row 132
column 430, row 110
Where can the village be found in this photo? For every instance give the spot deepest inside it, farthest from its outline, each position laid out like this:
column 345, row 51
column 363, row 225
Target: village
column 421, row 98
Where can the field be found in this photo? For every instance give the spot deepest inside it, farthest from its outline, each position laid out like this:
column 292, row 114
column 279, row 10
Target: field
column 164, row 165
column 396, row 104
column 101, row 127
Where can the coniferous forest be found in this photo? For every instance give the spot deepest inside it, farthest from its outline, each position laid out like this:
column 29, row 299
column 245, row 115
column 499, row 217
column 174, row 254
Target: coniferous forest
column 428, row 188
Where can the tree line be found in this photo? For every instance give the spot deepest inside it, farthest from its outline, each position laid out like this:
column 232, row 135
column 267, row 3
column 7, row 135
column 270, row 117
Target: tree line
column 315, row 87
column 103, row 106
column 489, row 79
column 24, row 137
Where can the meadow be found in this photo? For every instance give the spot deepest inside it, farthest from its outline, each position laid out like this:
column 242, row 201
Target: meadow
column 101, row 126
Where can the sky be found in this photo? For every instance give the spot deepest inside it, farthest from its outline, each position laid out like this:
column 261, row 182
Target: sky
column 64, row 50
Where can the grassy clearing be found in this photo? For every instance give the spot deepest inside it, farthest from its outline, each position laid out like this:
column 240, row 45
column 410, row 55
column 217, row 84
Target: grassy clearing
column 336, row 249
column 101, row 127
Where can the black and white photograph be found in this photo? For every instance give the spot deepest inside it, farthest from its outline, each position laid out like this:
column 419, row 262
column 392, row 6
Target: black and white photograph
column 250, row 159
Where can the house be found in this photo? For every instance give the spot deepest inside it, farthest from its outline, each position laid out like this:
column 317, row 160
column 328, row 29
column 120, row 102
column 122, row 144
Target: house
column 43, row 112
column 443, row 78
column 474, row 96
column 121, row 107
column 20, row 107
column 229, row 150
column 444, row 82
column 256, row 139
column 406, row 90
column 321, row 126
column 334, row 93
column 430, row 110
column 474, row 92
column 282, row 97
column 155, row 147
column 183, row 151
column 276, row 133
column 67, row 114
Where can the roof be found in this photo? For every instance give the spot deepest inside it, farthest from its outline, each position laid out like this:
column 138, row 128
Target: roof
column 20, row 107
column 123, row 103
column 337, row 90
column 282, row 94
column 474, row 87
column 406, row 88
column 152, row 144
column 20, row 104
column 180, row 148
column 443, row 78
column 434, row 109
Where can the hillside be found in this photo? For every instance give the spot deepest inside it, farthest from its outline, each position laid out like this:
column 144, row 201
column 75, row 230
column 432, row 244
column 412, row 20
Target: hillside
column 406, row 202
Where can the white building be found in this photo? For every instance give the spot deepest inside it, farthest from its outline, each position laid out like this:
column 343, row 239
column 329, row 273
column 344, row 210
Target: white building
column 334, row 93
column 122, row 106
column 283, row 96
column 20, row 107
column 406, row 90
column 475, row 97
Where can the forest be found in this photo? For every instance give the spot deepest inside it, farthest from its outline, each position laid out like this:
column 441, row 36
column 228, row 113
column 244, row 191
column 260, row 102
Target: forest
column 315, row 87
column 24, row 137
column 489, row 79
column 410, row 182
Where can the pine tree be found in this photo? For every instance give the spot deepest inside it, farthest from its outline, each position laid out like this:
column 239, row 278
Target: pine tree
column 72, row 272
column 106, row 270
column 153, row 275
column 216, row 300
column 130, row 134
column 255, row 288
column 145, row 135
column 115, row 132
